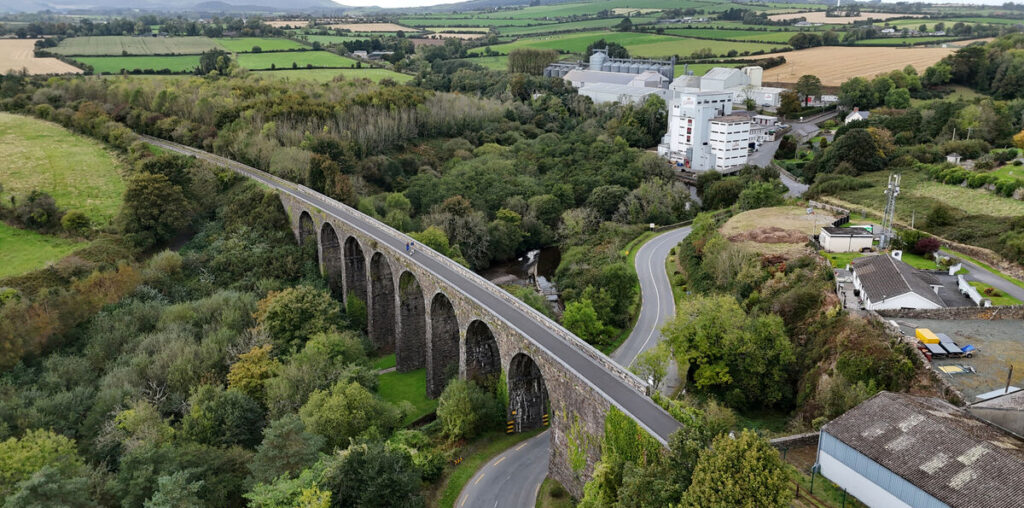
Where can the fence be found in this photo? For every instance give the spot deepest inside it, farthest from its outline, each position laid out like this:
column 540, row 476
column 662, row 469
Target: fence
column 970, row 291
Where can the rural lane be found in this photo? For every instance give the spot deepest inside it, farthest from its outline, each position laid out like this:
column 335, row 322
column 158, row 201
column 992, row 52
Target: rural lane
column 511, row 479
column 979, row 274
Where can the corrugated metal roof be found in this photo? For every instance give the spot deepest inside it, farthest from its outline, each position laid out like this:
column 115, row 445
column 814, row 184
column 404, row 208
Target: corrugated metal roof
column 940, row 448
column 616, row 78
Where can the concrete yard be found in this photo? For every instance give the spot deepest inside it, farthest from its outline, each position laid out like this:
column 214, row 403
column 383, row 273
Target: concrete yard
column 999, row 343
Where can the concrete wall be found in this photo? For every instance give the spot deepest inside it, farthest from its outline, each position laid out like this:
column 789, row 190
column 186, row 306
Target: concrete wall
column 569, row 398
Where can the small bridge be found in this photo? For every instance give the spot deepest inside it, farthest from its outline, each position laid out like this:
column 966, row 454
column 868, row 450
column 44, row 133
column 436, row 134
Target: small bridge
column 436, row 314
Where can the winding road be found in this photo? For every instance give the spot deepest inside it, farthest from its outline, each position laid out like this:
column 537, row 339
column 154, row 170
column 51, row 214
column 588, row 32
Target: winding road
column 512, row 479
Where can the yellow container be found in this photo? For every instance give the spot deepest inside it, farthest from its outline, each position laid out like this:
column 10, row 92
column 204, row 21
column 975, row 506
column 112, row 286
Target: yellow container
column 925, row 335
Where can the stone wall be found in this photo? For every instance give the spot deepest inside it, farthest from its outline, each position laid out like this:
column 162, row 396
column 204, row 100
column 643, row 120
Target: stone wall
column 796, row 440
column 947, row 390
column 986, row 313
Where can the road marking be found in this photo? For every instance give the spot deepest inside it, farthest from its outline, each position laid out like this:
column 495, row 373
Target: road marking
column 657, row 308
column 478, row 478
column 499, row 460
column 520, row 447
column 463, row 503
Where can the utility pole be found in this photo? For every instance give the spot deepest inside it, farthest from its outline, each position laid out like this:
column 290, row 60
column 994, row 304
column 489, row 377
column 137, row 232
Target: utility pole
column 913, row 215
column 891, row 191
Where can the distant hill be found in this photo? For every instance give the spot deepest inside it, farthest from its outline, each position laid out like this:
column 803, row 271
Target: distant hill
column 240, row 6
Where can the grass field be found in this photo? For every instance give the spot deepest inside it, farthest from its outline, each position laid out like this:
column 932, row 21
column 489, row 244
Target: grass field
column 19, row 54
column 78, row 172
column 820, row 17
column 284, row 60
column 499, row 63
column 589, row 24
column 114, row 64
column 330, row 39
column 998, row 297
column 735, row 35
column 902, row 41
column 576, row 9
column 919, row 193
column 116, row 45
column 410, row 386
column 836, row 64
column 638, row 44
column 840, row 259
column 245, row 44
column 451, row 21
column 698, row 69
column 327, row 75
column 23, row 251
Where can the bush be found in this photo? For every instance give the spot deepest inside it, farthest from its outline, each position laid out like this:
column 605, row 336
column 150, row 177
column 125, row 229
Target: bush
column 76, row 223
column 38, row 210
column 465, row 409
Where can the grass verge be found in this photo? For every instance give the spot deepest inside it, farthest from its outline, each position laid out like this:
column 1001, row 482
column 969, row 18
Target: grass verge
column 919, row 262
column 553, row 495
column 630, row 251
column 1002, row 299
column 22, row 251
column 410, row 386
column 385, row 362
column 474, row 456
column 840, row 259
column 965, row 257
column 828, row 493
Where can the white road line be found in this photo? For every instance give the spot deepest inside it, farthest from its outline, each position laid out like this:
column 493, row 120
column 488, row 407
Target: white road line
column 657, row 308
column 499, row 460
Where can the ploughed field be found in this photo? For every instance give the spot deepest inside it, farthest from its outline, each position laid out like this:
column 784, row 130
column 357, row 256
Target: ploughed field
column 19, row 54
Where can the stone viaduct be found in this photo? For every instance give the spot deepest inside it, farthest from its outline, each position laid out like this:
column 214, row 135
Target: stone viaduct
column 440, row 316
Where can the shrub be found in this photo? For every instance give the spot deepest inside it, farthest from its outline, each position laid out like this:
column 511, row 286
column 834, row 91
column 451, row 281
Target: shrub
column 75, row 223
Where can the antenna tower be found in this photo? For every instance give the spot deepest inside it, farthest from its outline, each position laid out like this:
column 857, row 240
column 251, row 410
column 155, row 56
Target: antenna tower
column 891, row 192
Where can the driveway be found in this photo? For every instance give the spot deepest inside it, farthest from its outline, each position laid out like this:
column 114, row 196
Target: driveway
column 979, row 274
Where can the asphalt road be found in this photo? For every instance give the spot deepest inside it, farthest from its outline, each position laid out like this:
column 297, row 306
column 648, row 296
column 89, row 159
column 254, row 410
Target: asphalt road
column 511, row 479
column 979, row 274
column 658, row 306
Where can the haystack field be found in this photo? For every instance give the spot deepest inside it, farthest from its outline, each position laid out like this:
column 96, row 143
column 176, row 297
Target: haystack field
column 371, row 27
column 17, row 54
column 820, row 17
column 779, row 231
column 294, row 23
column 836, row 64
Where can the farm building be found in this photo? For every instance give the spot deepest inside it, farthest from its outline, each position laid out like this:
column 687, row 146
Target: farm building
column 845, row 239
column 886, row 282
column 625, row 80
column 856, row 114
column 899, row 450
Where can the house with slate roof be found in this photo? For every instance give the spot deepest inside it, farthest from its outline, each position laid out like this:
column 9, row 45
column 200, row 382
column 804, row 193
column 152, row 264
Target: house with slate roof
column 886, row 282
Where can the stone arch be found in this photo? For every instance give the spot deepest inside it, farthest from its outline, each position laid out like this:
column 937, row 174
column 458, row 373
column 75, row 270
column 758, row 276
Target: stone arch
column 307, row 230
column 411, row 343
column 355, row 269
column 483, row 361
column 443, row 363
column 527, row 394
column 330, row 259
column 383, row 326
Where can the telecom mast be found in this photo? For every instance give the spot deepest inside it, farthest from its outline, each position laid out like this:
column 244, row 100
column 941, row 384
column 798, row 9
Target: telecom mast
column 891, row 192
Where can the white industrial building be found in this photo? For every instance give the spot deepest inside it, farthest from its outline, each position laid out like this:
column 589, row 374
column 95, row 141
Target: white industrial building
column 729, row 140
column 624, row 80
column 763, row 128
column 744, row 83
column 845, row 239
column 688, row 138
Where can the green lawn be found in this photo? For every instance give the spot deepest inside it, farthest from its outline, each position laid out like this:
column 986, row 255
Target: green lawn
column 114, row 64
column 475, row 456
column 328, row 75
column 498, row 63
column 245, row 44
column 840, row 259
column 384, row 362
column 408, row 386
column 23, row 251
column 919, row 262
column 284, row 60
column 77, row 171
column 997, row 296
column 114, row 45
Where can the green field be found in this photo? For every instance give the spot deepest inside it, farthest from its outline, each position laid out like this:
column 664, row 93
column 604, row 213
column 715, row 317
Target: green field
column 698, row 69
column 409, row 386
column 499, row 63
column 1001, row 299
column 591, row 8
column 284, row 60
column 985, row 21
column 735, row 35
column 327, row 75
column 245, row 44
column 117, row 45
column 469, row 21
column 638, row 44
column 114, row 64
column 22, row 251
column 78, row 172
column 590, row 24
column 330, row 39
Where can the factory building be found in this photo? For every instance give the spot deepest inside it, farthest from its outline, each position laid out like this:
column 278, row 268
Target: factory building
column 688, row 139
column 624, row 80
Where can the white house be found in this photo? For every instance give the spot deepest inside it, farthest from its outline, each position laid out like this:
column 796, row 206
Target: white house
column 857, row 114
column 896, row 450
column 844, row 239
column 885, row 282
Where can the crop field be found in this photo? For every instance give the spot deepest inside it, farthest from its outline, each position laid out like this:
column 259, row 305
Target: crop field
column 458, row 29
column 735, row 35
column 18, row 54
column 561, row 27
column 328, row 75
column 987, row 21
column 451, row 35
column 23, row 251
column 902, row 41
column 820, row 17
column 114, row 64
column 330, row 39
column 296, row 23
column 371, row 27
column 78, row 172
column 836, row 64
column 498, row 63
column 117, row 45
column 284, row 60
column 245, row 44
column 638, row 44
column 576, row 9
column 471, row 21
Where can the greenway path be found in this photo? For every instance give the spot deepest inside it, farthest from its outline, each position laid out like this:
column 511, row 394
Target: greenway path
column 512, row 479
